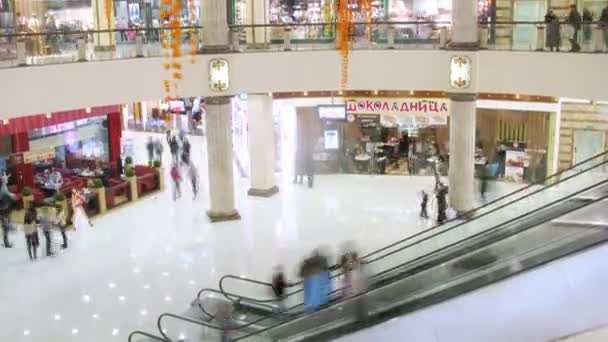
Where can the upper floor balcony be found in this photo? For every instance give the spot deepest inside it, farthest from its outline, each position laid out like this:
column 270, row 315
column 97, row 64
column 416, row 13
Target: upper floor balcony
column 77, row 69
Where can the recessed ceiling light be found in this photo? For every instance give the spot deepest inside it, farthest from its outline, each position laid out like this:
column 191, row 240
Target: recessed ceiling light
column 115, row 332
column 168, row 298
column 57, row 317
column 26, row 332
column 122, row 298
column 143, row 312
column 136, row 270
column 191, row 282
column 95, row 316
column 146, row 287
column 86, row 298
column 74, row 331
column 111, row 285
column 305, row 93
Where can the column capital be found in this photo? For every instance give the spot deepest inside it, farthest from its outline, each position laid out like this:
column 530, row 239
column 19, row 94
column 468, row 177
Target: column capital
column 217, row 100
column 463, row 97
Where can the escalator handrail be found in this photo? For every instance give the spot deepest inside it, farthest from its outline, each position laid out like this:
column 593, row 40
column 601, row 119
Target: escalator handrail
column 143, row 333
column 434, row 252
column 159, row 324
column 200, row 305
column 253, row 281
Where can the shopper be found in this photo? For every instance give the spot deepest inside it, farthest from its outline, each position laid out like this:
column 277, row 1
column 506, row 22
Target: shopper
column 46, row 224
column 193, row 173
column 483, row 181
column 177, row 179
column 6, row 204
column 31, row 232
column 604, row 25
column 80, row 220
column 424, row 205
column 174, row 147
column 60, row 224
column 553, row 38
column 185, row 151
column 158, row 150
column 575, row 21
column 150, row 148
column 279, row 284
column 587, row 20
column 442, row 203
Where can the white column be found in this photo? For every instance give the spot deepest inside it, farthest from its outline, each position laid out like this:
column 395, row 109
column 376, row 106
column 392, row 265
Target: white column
column 464, row 23
column 261, row 145
column 219, row 150
column 214, row 19
column 462, row 152
column 257, row 14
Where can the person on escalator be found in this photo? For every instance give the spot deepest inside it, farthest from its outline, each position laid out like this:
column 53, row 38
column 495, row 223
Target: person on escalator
column 279, row 284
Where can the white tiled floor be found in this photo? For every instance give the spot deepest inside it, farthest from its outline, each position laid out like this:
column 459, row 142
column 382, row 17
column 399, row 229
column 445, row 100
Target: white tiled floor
column 153, row 256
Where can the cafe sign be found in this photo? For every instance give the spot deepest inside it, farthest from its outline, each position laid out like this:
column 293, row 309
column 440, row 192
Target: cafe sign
column 394, row 106
column 38, row 155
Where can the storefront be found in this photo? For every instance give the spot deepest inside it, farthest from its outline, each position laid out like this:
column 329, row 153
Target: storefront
column 63, row 140
column 186, row 114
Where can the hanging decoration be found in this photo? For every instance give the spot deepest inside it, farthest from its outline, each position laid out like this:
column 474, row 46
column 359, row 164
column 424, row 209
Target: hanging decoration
column 172, row 44
column 109, row 12
column 346, row 15
column 192, row 31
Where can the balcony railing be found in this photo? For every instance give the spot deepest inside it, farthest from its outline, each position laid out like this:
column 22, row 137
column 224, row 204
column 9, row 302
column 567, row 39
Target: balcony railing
column 54, row 47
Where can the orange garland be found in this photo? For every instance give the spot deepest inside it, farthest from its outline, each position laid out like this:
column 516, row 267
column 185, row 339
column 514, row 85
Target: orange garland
column 172, row 41
column 109, row 11
column 344, row 19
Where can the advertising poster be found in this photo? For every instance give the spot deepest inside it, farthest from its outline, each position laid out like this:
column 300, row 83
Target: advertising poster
column 514, row 166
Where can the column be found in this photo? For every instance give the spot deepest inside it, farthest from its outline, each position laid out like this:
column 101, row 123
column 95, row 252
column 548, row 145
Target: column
column 25, row 172
column 219, row 154
column 464, row 24
column 463, row 109
column 258, row 14
column 214, row 19
column 462, row 152
column 104, row 20
column 114, row 137
column 261, row 145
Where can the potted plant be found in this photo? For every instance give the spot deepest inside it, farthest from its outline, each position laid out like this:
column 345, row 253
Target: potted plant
column 101, row 195
column 28, row 196
column 132, row 180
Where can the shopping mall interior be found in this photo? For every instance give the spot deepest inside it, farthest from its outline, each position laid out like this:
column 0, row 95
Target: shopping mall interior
column 303, row 170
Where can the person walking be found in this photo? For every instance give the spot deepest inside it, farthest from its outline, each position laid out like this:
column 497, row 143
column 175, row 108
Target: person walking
column 553, row 38
column 31, row 233
column 185, row 151
column 279, row 284
column 150, row 148
column 424, row 205
column 158, row 150
column 193, row 173
column 46, row 224
column 6, row 203
column 61, row 224
column 177, row 179
column 587, row 20
column 442, row 203
column 604, row 25
column 174, row 147
column 575, row 21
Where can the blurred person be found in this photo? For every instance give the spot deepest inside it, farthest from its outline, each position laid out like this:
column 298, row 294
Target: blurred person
column 424, row 205
column 587, row 20
column 45, row 222
column 177, row 179
column 442, row 203
column 185, row 151
column 31, row 232
column 224, row 317
column 604, row 25
column 150, row 148
column 80, row 220
column 315, row 272
column 174, row 148
column 61, row 224
column 158, row 150
column 279, row 284
column 483, row 181
column 193, row 173
column 575, row 21
column 6, row 204
column 553, row 37
column 55, row 179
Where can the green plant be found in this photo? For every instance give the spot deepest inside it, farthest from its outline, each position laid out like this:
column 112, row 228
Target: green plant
column 59, row 197
column 157, row 163
column 128, row 160
column 129, row 172
column 27, row 191
column 97, row 183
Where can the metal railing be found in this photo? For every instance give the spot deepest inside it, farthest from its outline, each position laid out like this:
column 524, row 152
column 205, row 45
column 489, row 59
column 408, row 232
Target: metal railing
column 63, row 46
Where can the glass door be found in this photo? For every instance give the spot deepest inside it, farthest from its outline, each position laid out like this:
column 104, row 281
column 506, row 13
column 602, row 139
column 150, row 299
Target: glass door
column 524, row 35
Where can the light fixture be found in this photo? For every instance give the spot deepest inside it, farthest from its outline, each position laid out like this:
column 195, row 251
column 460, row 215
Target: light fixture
column 136, row 270
column 26, row 332
column 165, row 274
column 182, row 336
column 95, row 316
column 122, row 298
column 57, row 317
column 168, row 298
column 411, row 93
column 270, row 94
column 305, row 93
column 340, row 92
column 74, row 331
column 146, row 287
column 375, row 92
column 112, row 285
column 49, row 115
column 88, row 110
column 143, row 312
column 517, row 96
column 191, row 282
column 115, row 332
column 86, row 298
column 5, row 121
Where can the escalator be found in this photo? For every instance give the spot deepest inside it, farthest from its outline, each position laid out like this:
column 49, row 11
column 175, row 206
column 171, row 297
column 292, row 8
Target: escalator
column 511, row 234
